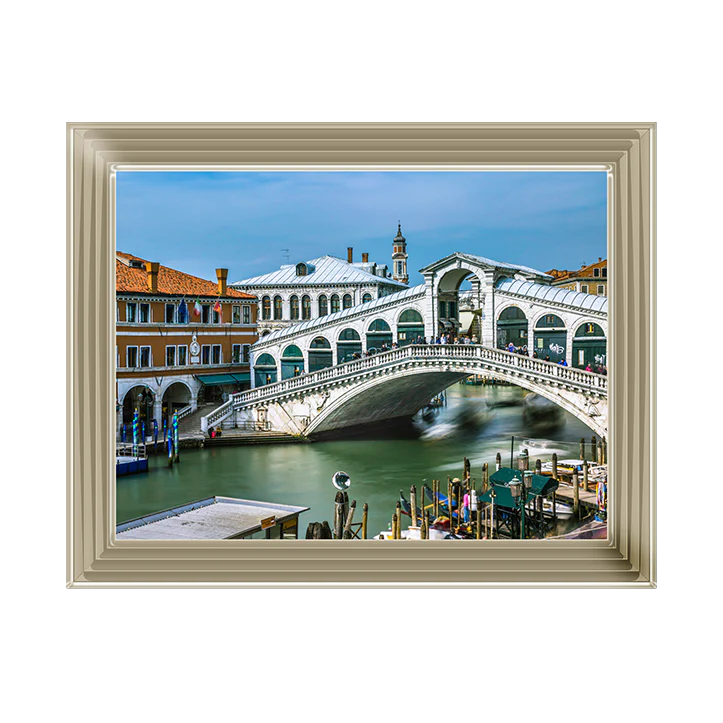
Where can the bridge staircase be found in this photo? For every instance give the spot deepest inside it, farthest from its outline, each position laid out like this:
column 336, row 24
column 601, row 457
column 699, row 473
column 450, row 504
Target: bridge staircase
column 189, row 425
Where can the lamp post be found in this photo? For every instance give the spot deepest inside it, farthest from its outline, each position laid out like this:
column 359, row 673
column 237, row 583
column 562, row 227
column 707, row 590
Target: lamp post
column 520, row 490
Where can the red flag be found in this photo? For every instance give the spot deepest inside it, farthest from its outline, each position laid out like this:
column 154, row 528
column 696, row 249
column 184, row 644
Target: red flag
column 217, row 309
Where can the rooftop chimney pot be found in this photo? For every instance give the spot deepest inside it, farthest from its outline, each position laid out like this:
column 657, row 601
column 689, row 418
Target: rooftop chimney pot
column 222, row 275
column 152, row 270
column 350, row 254
column 365, row 258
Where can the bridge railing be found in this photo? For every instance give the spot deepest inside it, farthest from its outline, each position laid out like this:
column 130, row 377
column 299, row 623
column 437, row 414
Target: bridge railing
column 413, row 352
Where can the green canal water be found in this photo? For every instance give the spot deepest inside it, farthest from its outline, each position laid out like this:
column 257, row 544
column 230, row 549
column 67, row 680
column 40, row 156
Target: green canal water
column 477, row 422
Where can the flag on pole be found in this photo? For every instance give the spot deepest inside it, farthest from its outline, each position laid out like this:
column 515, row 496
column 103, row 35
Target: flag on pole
column 217, row 309
column 197, row 308
column 182, row 311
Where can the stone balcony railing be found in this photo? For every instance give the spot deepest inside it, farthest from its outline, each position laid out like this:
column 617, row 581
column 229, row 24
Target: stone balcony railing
column 459, row 356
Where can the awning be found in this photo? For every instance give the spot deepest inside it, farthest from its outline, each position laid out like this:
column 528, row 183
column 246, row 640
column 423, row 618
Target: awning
column 210, row 380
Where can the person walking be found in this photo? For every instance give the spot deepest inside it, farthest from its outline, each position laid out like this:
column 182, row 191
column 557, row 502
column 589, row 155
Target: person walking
column 466, row 505
column 511, row 348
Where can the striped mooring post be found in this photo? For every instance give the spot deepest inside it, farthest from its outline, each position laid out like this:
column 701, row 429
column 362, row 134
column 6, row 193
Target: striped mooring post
column 136, row 421
column 169, row 444
column 123, row 434
column 155, row 435
column 176, row 456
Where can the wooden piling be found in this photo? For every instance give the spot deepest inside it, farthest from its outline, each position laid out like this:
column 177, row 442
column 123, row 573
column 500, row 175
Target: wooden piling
column 365, row 514
column 554, row 465
column 538, row 466
column 413, row 504
column 339, row 515
column 449, row 502
column 346, row 534
column 576, row 495
column 593, row 448
column 604, row 444
column 467, row 469
column 493, row 532
column 498, row 460
column 399, row 521
column 485, row 477
column 582, row 447
column 435, row 497
column 394, row 526
column 585, row 483
column 478, row 526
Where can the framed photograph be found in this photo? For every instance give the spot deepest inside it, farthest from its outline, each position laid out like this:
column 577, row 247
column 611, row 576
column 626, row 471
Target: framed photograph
column 361, row 355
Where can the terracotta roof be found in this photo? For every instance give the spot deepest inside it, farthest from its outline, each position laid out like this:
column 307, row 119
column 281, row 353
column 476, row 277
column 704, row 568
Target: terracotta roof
column 170, row 281
column 584, row 273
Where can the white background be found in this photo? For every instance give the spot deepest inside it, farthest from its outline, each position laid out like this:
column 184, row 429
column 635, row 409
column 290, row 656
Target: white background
column 378, row 654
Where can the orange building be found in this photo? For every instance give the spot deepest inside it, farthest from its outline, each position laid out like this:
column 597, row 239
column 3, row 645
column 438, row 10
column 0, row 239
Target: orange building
column 179, row 340
column 590, row 279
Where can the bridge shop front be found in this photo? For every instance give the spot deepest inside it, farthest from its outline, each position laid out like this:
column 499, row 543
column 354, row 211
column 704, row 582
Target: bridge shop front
column 320, row 354
column 348, row 345
column 379, row 333
column 550, row 338
column 589, row 347
column 512, row 328
column 292, row 362
column 410, row 327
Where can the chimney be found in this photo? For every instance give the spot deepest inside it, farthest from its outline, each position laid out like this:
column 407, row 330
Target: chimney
column 152, row 269
column 222, row 275
column 365, row 258
column 599, row 259
column 350, row 254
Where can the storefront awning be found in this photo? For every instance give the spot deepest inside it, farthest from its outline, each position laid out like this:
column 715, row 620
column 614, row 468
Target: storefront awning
column 210, row 380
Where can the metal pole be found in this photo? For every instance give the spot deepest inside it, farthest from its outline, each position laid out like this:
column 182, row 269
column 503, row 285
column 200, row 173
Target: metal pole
column 512, row 447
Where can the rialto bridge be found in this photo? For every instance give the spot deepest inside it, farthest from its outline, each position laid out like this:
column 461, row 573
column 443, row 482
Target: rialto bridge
column 315, row 377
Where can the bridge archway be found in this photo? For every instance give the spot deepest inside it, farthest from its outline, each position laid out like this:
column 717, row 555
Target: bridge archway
column 589, row 346
column 406, row 391
column 265, row 371
column 140, row 397
column 550, row 337
column 320, row 354
column 292, row 362
column 378, row 334
column 447, row 290
column 348, row 344
column 175, row 397
column 410, row 327
column 512, row 328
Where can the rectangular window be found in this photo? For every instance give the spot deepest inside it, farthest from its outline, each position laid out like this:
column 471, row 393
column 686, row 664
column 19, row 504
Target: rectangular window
column 131, row 309
column 523, row 333
column 145, row 313
column 540, row 342
column 216, row 317
column 580, row 357
column 182, row 356
column 583, row 288
column 205, row 354
column 170, row 356
column 605, row 272
column 216, row 354
column 596, row 272
column 145, row 356
column 600, row 290
column 205, row 313
column 550, row 320
column 236, row 354
column 170, row 313
column 247, row 314
column 132, row 356
column 246, row 353
column 235, row 314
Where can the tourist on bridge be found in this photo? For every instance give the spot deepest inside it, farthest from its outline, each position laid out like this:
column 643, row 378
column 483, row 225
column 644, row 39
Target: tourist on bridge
column 562, row 363
column 474, row 339
column 511, row 348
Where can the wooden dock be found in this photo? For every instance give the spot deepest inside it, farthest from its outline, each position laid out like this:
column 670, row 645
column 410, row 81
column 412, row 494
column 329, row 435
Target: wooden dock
column 565, row 493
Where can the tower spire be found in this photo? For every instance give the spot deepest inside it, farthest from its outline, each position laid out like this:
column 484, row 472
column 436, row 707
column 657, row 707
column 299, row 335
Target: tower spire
column 399, row 257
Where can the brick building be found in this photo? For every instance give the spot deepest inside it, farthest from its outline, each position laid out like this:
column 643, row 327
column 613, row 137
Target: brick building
column 168, row 357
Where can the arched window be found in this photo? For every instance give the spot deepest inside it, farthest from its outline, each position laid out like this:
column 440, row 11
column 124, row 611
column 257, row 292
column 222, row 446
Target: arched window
column 334, row 303
column 410, row 316
column 294, row 303
column 379, row 325
column 346, row 301
column 320, row 343
column 366, row 297
column 266, row 308
column 301, row 269
column 323, row 305
column 305, row 307
column 550, row 321
column 278, row 314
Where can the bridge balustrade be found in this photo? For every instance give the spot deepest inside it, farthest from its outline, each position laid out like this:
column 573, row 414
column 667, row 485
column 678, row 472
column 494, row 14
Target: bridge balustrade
column 452, row 352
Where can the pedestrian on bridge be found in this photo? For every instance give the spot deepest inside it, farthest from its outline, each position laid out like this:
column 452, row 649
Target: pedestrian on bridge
column 511, row 348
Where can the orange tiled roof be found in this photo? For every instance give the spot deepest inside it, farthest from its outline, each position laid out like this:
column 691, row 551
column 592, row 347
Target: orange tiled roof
column 584, row 273
column 170, row 281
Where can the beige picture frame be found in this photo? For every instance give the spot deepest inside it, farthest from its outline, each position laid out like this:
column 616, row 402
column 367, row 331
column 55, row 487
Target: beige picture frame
column 96, row 151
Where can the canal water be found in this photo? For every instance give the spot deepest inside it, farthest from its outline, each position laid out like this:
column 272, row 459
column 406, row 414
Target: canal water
column 476, row 422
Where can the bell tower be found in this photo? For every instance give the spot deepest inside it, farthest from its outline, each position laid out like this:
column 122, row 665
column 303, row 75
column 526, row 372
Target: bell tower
column 399, row 257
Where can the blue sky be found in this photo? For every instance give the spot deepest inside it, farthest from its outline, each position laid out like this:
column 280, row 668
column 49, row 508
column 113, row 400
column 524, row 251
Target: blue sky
column 197, row 222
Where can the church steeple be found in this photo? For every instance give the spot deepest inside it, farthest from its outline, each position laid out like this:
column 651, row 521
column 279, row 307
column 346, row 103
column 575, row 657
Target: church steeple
column 399, row 257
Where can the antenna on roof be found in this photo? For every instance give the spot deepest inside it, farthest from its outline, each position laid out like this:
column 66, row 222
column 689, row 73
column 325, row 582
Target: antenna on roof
column 286, row 255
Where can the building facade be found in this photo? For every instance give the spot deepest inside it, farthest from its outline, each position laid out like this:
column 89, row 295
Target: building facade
column 316, row 288
column 179, row 339
column 590, row 279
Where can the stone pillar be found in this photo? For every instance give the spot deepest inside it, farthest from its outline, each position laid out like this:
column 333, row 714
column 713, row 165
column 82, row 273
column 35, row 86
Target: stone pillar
column 488, row 312
column 568, row 343
column 158, row 412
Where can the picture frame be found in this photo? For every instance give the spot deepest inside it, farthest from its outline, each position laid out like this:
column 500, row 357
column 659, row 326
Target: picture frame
column 97, row 151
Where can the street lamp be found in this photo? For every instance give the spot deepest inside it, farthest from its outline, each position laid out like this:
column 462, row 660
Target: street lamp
column 520, row 490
